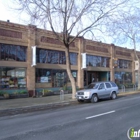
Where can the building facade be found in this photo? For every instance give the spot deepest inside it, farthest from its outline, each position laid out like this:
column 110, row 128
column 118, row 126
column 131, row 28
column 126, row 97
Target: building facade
column 104, row 61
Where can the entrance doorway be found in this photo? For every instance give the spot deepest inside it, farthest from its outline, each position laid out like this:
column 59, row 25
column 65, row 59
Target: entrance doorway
column 94, row 76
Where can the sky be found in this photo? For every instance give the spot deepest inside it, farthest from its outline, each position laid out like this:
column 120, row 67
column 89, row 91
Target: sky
column 6, row 13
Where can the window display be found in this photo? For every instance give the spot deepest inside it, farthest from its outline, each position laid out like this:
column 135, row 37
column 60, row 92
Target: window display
column 12, row 77
column 123, row 77
column 58, row 78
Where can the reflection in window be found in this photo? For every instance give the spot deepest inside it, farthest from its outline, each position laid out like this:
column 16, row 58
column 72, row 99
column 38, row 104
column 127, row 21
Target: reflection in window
column 21, row 53
column 12, row 52
column 58, row 78
column 62, row 58
column 54, row 57
column 97, row 61
column 125, row 64
column 123, row 77
column 43, row 75
column 73, row 58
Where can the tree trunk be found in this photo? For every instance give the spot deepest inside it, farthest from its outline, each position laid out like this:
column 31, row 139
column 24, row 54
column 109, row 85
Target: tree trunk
column 72, row 80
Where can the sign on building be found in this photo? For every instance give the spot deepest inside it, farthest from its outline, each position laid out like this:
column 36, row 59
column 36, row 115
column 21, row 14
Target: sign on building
column 136, row 65
column 83, row 61
column 33, row 56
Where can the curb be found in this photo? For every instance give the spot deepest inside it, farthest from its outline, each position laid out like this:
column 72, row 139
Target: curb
column 34, row 108
column 41, row 107
column 128, row 93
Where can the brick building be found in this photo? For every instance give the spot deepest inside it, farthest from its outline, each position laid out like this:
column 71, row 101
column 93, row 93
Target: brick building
column 103, row 61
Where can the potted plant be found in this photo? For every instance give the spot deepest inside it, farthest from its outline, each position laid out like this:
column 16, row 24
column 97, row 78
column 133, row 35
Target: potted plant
column 46, row 92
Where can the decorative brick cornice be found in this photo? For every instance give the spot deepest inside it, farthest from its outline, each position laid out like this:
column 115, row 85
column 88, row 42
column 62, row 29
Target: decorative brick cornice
column 10, row 33
column 123, row 53
column 53, row 41
column 95, row 48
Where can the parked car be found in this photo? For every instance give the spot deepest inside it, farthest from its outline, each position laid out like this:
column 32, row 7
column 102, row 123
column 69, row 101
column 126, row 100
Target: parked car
column 98, row 90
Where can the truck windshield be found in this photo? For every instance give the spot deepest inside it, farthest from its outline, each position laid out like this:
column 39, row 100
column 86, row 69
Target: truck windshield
column 95, row 86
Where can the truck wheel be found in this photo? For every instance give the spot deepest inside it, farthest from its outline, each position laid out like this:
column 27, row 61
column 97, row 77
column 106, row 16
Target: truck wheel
column 113, row 96
column 94, row 98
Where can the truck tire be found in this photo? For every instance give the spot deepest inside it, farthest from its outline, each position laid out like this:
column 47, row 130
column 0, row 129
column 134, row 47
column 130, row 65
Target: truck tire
column 113, row 95
column 94, row 98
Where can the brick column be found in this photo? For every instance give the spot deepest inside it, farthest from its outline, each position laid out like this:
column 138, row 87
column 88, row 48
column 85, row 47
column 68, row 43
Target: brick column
column 30, row 69
column 112, row 52
column 81, row 46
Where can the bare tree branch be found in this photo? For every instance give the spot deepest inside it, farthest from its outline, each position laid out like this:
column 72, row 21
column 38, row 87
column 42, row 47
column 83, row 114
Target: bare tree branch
column 69, row 19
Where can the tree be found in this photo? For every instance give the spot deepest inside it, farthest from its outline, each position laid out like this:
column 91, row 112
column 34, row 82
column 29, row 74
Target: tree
column 69, row 19
column 126, row 29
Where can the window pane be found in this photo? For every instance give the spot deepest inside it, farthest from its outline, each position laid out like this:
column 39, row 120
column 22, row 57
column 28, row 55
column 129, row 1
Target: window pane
column 125, row 64
column 62, row 58
column 52, row 57
column 73, row 58
column 123, row 77
column 12, row 52
column 89, row 60
column 98, row 61
column 43, row 76
column 42, row 56
column 108, row 85
column 12, row 77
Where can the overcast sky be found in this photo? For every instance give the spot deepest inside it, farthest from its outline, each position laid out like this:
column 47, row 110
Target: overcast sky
column 6, row 13
column 9, row 14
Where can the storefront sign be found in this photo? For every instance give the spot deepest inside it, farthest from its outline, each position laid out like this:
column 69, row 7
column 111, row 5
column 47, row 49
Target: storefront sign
column 20, row 73
column 43, row 79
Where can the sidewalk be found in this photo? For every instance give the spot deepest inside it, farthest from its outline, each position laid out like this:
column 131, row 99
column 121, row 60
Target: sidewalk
column 23, row 105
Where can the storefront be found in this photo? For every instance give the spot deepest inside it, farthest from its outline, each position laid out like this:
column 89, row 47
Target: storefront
column 49, row 71
column 54, row 78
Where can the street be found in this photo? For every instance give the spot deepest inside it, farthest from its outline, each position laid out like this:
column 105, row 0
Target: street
column 105, row 120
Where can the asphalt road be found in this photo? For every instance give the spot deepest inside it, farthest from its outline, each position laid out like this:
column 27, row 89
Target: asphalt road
column 105, row 120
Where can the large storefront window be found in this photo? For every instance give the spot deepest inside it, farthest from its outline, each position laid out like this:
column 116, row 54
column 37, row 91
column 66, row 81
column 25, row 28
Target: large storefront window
column 58, row 78
column 125, row 64
column 97, row 61
column 11, row 78
column 123, row 77
column 54, row 57
column 12, row 52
